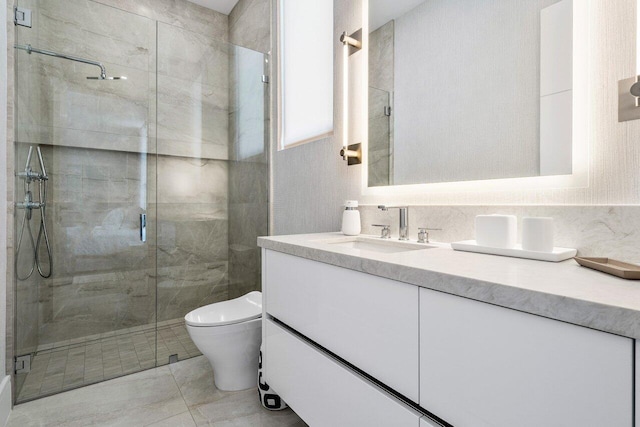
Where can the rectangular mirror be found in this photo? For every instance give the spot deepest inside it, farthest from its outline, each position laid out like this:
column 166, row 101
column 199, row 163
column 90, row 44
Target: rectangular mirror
column 467, row 91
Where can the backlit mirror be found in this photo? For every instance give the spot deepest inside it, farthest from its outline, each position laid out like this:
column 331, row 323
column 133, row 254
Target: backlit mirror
column 473, row 90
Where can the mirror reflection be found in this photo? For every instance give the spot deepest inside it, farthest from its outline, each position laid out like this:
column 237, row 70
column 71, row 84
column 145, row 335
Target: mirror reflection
column 465, row 91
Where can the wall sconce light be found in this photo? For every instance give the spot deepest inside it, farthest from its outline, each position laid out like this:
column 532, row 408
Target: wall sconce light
column 629, row 89
column 352, row 153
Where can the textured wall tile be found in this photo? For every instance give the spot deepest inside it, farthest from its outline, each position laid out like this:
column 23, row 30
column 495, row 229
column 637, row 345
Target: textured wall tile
column 191, row 56
column 196, row 181
column 192, row 114
column 250, row 25
column 180, row 13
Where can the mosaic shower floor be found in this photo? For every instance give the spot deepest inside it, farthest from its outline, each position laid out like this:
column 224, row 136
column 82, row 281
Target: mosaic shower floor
column 65, row 366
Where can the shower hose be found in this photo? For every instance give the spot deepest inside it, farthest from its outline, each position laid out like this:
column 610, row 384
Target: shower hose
column 43, row 234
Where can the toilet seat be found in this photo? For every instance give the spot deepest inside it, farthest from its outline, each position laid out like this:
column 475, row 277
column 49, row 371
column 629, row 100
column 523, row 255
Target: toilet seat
column 242, row 309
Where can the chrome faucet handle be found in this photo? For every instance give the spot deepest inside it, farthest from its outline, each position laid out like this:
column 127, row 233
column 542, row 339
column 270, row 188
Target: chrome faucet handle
column 423, row 234
column 385, row 233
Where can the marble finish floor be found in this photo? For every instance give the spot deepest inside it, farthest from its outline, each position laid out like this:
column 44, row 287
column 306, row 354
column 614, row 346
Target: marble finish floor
column 180, row 394
column 75, row 365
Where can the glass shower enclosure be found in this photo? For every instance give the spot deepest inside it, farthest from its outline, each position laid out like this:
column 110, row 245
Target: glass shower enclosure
column 141, row 181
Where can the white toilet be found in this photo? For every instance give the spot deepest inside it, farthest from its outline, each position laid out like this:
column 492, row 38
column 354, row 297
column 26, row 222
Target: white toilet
column 229, row 334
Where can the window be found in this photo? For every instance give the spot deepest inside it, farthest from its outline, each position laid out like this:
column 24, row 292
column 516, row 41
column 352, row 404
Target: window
column 306, row 70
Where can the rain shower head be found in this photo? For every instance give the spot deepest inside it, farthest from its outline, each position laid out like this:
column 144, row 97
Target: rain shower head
column 107, row 78
column 103, row 71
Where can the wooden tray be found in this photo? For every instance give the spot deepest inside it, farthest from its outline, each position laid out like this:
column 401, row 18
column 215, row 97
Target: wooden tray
column 611, row 266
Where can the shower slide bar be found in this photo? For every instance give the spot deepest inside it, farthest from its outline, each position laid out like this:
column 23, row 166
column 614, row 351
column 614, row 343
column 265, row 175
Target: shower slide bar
column 103, row 71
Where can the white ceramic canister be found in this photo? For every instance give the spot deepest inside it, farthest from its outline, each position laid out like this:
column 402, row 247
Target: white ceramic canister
column 351, row 218
column 497, row 231
column 537, row 234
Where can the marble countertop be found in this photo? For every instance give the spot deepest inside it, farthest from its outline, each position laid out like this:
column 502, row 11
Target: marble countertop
column 561, row 291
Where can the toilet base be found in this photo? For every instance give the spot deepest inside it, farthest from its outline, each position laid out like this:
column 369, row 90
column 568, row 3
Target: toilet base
column 235, row 376
column 232, row 351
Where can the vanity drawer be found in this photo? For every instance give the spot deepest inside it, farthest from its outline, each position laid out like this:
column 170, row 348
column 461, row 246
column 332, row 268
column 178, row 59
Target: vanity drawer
column 369, row 321
column 322, row 391
column 488, row 366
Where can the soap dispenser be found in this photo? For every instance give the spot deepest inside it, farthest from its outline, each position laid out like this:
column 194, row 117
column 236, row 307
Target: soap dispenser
column 351, row 218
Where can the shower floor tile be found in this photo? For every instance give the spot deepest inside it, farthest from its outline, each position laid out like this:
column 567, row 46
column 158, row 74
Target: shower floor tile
column 59, row 368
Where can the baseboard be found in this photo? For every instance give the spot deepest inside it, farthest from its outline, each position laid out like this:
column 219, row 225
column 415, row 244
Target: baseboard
column 5, row 400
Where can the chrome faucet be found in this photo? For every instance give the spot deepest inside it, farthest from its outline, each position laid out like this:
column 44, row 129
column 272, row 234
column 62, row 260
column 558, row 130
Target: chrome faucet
column 403, row 233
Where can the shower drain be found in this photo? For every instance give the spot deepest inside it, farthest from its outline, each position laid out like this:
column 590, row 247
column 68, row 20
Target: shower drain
column 173, row 358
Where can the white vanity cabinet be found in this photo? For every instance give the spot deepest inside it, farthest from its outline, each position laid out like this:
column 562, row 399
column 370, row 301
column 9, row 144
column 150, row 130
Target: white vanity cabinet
column 369, row 321
column 347, row 348
column 324, row 392
column 482, row 365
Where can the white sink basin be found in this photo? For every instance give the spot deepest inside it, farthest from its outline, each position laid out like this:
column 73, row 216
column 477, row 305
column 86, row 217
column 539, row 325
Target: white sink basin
column 372, row 244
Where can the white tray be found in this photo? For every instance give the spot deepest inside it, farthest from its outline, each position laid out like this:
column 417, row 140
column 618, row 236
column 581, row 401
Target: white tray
column 558, row 254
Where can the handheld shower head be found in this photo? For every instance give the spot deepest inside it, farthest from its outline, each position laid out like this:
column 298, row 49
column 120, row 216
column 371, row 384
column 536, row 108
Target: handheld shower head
column 43, row 171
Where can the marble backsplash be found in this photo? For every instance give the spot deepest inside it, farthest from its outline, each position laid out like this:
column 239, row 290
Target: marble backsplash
column 602, row 231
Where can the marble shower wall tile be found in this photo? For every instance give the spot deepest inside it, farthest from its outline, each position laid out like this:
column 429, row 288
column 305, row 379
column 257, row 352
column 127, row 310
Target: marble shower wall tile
column 249, row 134
column 185, row 287
column 248, row 118
column 247, row 221
column 93, row 31
column 248, row 182
column 250, row 25
column 193, row 237
column 193, row 94
column 192, row 181
column 190, row 240
column 180, row 13
column 604, row 231
column 86, row 305
column 192, row 117
column 192, row 57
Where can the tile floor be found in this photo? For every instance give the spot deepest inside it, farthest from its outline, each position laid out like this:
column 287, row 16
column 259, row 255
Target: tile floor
column 180, row 394
column 70, row 366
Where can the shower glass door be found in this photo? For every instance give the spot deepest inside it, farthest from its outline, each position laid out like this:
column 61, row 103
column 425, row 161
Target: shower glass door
column 212, row 178
column 180, row 145
column 85, row 269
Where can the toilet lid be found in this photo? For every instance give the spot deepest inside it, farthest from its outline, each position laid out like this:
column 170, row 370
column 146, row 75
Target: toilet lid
column 246, row 307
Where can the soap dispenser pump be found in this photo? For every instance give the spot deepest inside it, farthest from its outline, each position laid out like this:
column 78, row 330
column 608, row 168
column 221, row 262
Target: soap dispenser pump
column 351, row 218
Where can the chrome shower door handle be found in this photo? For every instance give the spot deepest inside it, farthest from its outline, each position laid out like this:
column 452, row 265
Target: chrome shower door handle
column 143, row 227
